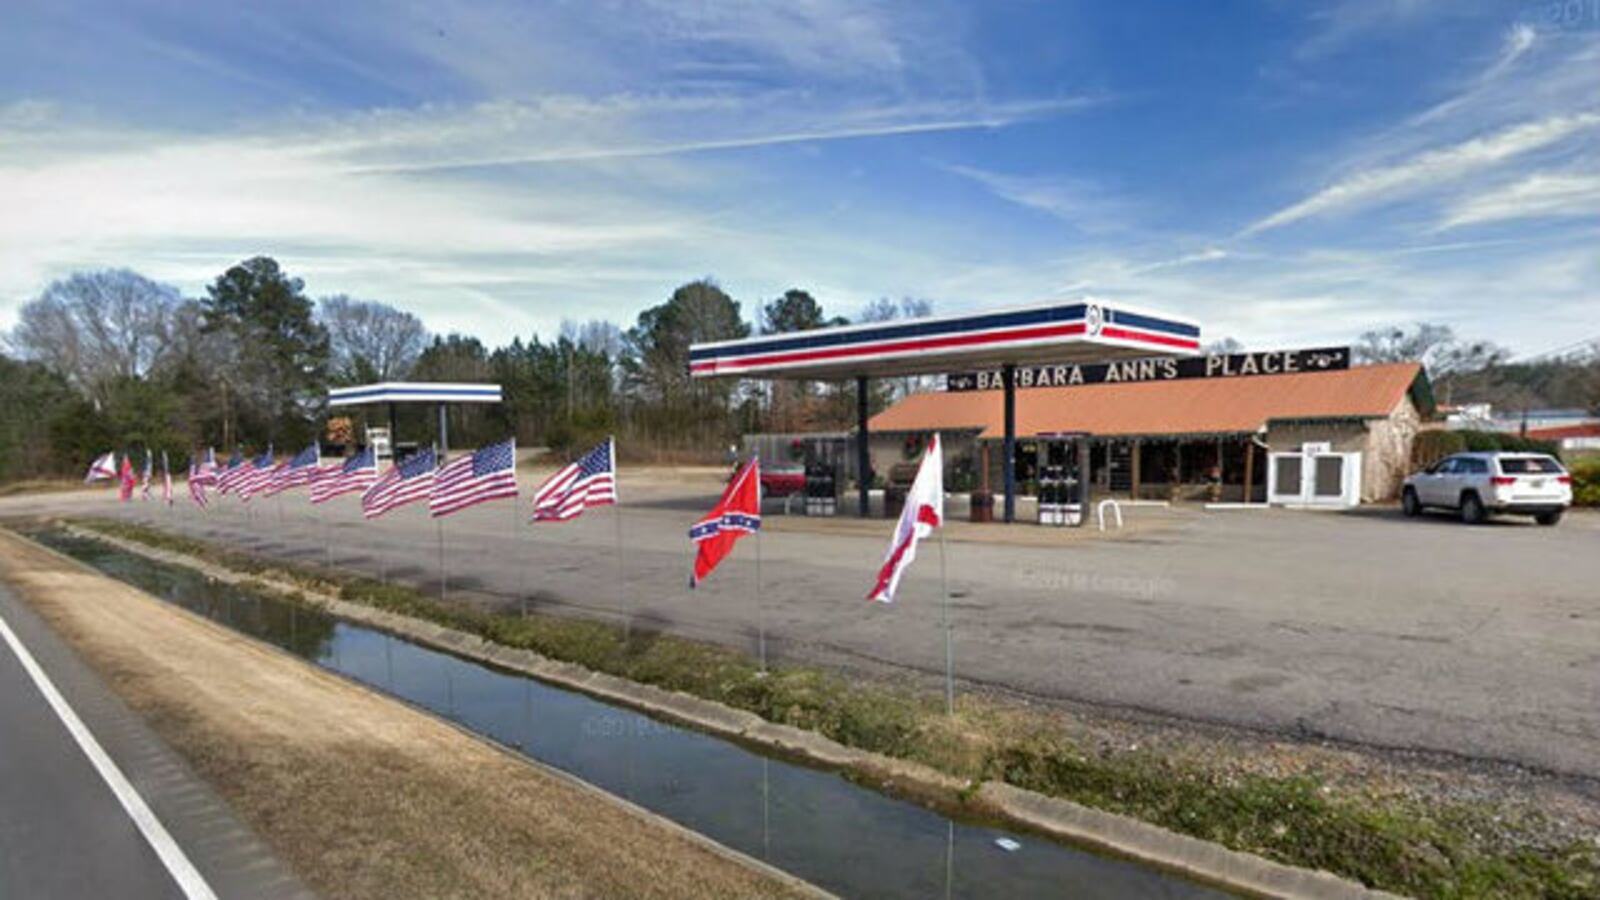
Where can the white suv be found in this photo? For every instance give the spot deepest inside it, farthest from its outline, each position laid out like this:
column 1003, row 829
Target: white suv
column 1478, row 484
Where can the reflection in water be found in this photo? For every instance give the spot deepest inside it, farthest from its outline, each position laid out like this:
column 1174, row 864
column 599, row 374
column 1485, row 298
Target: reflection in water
column 811, row 823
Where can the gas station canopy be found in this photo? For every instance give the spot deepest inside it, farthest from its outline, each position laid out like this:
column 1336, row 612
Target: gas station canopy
column 440, row 393
column 414, row 392
column 1071, row 331
column 1061, row 332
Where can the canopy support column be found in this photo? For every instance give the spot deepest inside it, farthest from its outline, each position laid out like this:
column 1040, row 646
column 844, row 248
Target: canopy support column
column 863, row 454
column 444, row 431
column 1008, row 459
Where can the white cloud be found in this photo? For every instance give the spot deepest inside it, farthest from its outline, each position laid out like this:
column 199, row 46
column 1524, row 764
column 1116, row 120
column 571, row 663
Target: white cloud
column 839, row 39
column 1528, row 103
column 1339, row 24
column 574, row 129
column 1518, row 41
column 1431, row 168
column 1077, row 201
column 1327, row 296
column 1541, row 195
column 1208, row 255
column 481, row 217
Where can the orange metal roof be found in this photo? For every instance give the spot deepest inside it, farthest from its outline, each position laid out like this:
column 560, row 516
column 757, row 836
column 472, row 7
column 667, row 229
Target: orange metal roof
column 1586, row 429
column 1181, row 406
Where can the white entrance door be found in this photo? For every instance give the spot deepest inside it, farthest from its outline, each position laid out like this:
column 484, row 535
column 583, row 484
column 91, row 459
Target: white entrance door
column 1315, row 476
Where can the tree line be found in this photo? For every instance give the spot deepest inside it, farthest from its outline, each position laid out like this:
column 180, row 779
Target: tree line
column 112, row 359
column 1479, row 371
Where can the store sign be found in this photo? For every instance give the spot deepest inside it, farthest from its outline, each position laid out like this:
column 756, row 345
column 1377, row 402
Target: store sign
column 1166, row 368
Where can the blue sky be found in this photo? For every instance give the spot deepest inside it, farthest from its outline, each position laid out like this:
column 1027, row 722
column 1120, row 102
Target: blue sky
column 1288, row 173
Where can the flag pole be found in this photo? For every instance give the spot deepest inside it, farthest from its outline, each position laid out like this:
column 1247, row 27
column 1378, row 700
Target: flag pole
column 438, row 463
column 516, row 524
column 949, row 650
column 383, row 565
column 628, row 607
column 444, row 575
column 761, row 608
column 622, row 579
column 522, row 570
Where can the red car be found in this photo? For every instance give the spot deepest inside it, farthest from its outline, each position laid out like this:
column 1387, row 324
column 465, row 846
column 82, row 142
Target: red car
column 783, row 481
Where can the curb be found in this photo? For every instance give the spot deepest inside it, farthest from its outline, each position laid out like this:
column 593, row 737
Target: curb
column 1111, row 833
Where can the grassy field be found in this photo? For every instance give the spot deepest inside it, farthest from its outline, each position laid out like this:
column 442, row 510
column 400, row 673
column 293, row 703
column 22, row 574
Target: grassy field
column 1301, row 806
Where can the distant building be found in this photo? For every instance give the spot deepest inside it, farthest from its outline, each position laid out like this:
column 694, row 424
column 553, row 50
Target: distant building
column 1540, row 419
column 1571, row 438
column 1468, row 417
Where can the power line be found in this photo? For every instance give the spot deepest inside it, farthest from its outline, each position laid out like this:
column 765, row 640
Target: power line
column 1586, row 342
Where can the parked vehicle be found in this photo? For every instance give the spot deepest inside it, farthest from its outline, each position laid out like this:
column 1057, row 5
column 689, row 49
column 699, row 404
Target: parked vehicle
column 782, row 480
column 1477, row 485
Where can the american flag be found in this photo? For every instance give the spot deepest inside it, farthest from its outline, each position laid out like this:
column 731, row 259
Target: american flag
column 206, row 468
column 489, row 473
column 197, row 484
column 294, row 473
column 166, row 479
column 256, row 474
column 407, row 482
column 591, row 481
column 235, row 470
column 357, row 473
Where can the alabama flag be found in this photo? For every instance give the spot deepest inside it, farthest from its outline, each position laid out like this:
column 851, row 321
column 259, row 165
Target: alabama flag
column 737, row 514
column 923, row 513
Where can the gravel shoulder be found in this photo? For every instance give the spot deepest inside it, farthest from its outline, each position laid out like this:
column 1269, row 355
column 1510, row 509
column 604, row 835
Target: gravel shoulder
column 363, row 796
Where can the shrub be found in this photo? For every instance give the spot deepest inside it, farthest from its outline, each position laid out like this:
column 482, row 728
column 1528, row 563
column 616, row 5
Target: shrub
column 1586, row 481
column 1431, row 446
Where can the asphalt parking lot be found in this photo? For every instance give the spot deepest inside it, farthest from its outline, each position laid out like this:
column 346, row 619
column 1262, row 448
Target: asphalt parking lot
column 1368, row 627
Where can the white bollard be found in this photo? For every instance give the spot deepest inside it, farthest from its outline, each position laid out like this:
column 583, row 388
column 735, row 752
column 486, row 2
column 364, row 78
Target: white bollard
column 1100, row 512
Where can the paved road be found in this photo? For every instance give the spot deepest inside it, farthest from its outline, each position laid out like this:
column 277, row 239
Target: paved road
column 1483, row 642
column 63, row 833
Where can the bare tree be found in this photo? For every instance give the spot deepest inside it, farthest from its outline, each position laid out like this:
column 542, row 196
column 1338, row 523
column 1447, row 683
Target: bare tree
column 596, row 335
column 371, row 341
column 1433, row 345
column 96, row 327
column 885, row 310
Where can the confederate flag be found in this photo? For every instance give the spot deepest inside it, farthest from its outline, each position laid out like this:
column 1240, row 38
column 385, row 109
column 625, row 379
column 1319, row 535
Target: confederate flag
column 125, row 488
column 737, row 514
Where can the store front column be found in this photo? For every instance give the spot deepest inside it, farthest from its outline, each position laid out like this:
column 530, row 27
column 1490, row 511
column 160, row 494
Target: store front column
column 1008, row 460
column 863, row 454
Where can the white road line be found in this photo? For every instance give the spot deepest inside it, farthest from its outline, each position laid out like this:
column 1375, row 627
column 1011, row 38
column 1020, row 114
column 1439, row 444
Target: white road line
column 172, row 856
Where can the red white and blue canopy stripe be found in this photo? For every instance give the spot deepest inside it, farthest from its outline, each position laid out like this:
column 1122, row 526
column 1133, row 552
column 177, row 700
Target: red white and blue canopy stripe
column 414, row 392
column 1066, row 331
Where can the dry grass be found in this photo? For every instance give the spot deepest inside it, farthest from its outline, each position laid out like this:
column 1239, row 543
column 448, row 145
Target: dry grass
column 363, row 796
column 29, row 486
